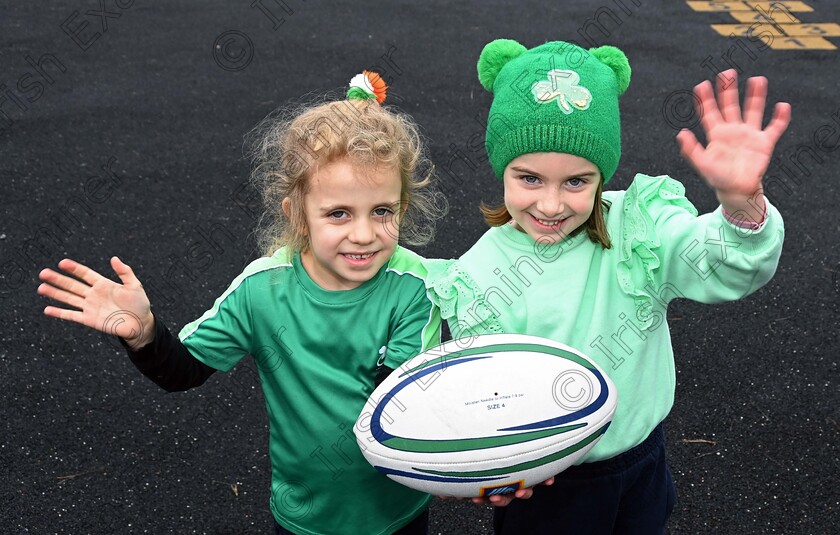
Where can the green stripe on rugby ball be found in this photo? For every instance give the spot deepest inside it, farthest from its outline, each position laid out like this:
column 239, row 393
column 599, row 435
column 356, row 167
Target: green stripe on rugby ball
column 521, row 466
column 502, row 348
column 470, row 444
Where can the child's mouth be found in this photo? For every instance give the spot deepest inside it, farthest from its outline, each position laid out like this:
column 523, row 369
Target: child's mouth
column 359, row 259
column 547, row 224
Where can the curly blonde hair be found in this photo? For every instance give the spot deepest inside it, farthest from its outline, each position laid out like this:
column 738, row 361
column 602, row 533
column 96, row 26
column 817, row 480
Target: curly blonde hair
column 289, row 145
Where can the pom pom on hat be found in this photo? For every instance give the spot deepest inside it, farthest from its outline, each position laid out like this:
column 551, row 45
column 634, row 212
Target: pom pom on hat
column 368, row 85
column 496, row 55
column 617, row 61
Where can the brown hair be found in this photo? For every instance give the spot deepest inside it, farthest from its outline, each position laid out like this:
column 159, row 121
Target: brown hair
column 288, row 146
column 595, row 226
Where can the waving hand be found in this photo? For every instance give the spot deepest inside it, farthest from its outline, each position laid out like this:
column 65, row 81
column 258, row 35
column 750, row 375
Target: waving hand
column 98, row 302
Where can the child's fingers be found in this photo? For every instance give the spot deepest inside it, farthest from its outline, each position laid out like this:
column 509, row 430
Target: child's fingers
column 80, row 270
column 524, row 494
column 501, row 501
column 691, row 149
column 779, row 122
column 755, row 101
column 708, row 106
column 63, row 282
column 47, row 274
column 727, row 90
column 124, row 272
column 64, row 314
column 62, row 296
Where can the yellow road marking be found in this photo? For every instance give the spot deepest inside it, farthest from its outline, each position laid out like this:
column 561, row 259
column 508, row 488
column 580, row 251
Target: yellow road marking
column 822, row 29
column 802, row 43
column 778, row 16
column 749, row 6
column 772, row 22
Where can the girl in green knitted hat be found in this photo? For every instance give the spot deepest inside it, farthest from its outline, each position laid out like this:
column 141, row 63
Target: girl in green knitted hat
column 595, row 269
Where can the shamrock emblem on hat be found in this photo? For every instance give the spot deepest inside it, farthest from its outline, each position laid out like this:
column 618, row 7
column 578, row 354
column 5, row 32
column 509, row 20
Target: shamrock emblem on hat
column 563, row 87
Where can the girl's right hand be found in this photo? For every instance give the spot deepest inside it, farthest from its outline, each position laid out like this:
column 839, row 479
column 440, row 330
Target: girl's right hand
column 118, row 309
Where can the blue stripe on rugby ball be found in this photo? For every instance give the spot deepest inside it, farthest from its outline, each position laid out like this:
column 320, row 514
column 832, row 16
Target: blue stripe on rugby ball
column 375, row 426
column 437, row 479
column 585, row 411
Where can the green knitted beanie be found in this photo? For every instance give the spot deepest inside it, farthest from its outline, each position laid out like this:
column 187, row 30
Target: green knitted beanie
column 556, row 97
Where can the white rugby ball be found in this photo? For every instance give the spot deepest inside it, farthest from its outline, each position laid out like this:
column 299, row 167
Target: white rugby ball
column 486, row 415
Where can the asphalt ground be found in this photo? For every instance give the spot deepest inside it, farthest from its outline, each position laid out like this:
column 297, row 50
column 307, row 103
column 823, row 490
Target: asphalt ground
column 122, row 133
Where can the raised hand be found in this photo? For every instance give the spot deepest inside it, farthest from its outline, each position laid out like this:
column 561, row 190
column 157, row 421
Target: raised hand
column 738, row 150
column 118, row 309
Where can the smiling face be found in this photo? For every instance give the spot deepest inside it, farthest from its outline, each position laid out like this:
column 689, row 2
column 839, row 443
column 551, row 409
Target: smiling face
column 351, row 220
column 550, row 194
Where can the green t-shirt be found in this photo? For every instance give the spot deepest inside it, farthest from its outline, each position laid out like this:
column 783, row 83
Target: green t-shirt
column 611, row 304
column 318, row 352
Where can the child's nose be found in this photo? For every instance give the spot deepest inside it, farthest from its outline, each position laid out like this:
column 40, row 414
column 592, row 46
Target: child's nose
column 550, row 203
column 363, row 231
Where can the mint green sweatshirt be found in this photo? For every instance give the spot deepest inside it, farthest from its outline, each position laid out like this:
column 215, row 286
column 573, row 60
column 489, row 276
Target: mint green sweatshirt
column 611, row 303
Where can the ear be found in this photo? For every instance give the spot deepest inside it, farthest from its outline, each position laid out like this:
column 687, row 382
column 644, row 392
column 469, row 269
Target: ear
column 615, row 59
column 286, row 205
column 402, row 208
column 496, row 54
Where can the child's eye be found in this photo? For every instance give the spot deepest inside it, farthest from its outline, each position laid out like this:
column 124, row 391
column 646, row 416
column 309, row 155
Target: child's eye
column 576, row 182
column 382, row 211
column 338, row 214
column 530, row 179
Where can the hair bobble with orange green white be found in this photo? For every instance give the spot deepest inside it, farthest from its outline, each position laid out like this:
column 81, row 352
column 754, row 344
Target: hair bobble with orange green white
column 367, row 86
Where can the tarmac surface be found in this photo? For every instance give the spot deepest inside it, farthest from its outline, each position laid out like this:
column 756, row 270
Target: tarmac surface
column 121, row 133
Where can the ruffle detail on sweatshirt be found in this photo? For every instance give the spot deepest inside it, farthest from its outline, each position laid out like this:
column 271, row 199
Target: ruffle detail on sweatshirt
column 460, row 301
column 645, row 198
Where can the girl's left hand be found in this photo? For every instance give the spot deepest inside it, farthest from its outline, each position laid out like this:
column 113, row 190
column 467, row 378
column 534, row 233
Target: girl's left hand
column 737, row 151
column 502, row 500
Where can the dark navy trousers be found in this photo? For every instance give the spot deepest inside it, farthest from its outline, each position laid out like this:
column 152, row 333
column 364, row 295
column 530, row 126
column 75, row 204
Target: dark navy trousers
column 632, row 493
